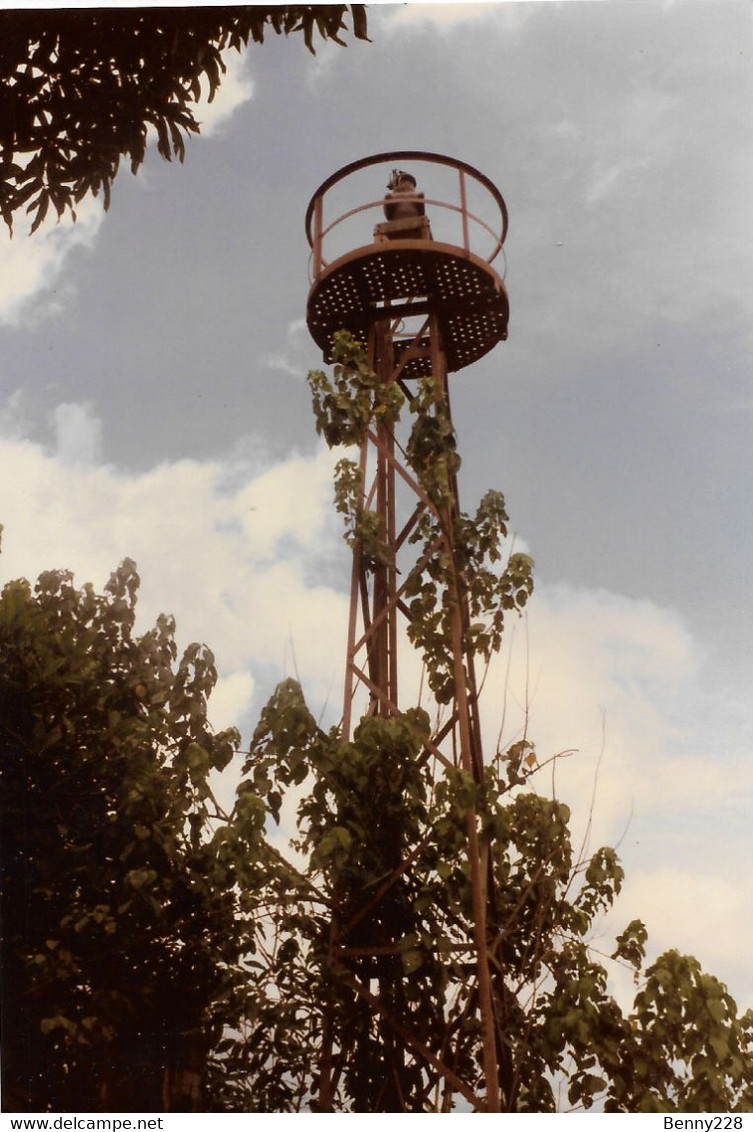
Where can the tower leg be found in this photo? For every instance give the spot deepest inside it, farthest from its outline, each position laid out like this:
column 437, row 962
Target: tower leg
column 376, row 606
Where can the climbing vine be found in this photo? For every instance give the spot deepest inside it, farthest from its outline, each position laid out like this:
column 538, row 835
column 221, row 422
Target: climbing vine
column 349, row 401
column 452, row 548
column 384, row 840
column 313, row 948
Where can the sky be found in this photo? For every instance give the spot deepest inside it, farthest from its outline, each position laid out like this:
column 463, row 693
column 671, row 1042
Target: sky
column 153, row 402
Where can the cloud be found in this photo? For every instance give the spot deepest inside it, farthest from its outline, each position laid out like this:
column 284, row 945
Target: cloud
column 33, row 284
column 78, row 433
column 235, row 89
column 446, row 18
column 625, row 684
column 662, row 766
column 14, row 422
column 697, row 912
column 234, row 553
column 230, row 699
column 292, row 360
column 645, row 199
column 31, row 266
column 250, row 560
column 641, row 139
column 606, row 178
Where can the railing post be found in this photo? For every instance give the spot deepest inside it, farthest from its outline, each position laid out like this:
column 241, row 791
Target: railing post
column 464, row 213
column 318, row 237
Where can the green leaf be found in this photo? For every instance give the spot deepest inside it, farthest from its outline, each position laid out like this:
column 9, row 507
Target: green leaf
column 412, row 958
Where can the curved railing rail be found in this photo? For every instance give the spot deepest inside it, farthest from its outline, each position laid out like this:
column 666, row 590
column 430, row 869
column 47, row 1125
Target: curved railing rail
column 316, row 232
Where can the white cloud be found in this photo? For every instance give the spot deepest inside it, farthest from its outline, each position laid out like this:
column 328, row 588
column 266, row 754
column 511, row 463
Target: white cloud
column 13, row 419
column 624, row 678
column 292, row 360
column 281, row 364
column 697, row 912
column 244, row 557
column 230, row 699
column 235, row 89
column 321, row 68
column 625, row 684
column 234, row 554
column 31, row 266
column 78, row 433
column 32, row 282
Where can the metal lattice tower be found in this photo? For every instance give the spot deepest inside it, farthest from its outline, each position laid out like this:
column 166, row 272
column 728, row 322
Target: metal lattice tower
column 423, row 297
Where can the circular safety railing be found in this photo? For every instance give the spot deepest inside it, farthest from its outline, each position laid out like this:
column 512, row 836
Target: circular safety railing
column 319, row 231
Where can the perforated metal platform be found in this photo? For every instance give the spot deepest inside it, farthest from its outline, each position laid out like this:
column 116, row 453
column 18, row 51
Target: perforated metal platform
column 412, row 277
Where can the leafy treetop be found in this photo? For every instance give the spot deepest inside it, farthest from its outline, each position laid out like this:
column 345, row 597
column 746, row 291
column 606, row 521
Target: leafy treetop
column 123, row 930
column 79, row 89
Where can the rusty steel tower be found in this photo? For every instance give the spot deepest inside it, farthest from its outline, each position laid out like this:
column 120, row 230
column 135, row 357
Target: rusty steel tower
column 423, row 297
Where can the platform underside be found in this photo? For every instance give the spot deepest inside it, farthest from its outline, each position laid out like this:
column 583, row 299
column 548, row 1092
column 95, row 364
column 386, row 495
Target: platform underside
column 405, row 280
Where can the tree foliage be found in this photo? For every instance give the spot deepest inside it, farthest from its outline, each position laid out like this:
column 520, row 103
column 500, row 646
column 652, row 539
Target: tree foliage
column 122, row 929
column 150, row 934
column 385, row 838
column 383, row 826
column 80, row 89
